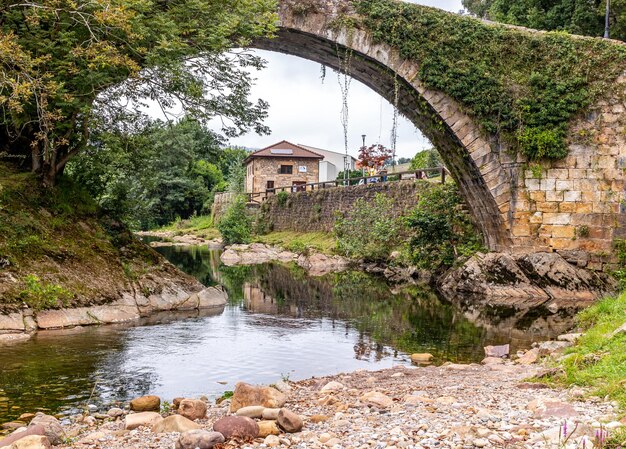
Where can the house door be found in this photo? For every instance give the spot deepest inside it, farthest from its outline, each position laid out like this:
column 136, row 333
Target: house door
column 298, row 186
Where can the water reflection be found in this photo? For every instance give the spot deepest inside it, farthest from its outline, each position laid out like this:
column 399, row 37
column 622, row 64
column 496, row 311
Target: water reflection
column 278, row 321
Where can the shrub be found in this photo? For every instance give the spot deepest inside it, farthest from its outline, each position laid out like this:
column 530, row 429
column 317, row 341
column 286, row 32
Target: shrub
column 371, row 231
column 40, row 295
column 236, row 225
column 281, row 197
column 442, row 231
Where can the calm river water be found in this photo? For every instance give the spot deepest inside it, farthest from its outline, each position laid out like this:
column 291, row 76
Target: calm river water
column 279, row 322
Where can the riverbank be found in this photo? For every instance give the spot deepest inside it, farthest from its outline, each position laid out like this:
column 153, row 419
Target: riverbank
column 450, row 406
column 64, row 264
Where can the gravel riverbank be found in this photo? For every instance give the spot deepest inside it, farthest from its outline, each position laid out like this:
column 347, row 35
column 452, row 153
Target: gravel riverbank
column 451, row 406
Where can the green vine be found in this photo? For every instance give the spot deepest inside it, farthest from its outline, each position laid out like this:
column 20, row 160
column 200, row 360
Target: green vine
column 520, row 85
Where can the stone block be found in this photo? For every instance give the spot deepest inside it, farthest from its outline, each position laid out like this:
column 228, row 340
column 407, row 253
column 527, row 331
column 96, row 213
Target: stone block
column 563, row 232
column 554, row 195
column 560, row 173
column 532, row 184
column 548, row 184
column 547, row 206
column 557, row 219
column 567, row 207
column 521, row 230
column 563, row 243
column 538, row 196
column 572, row 196
column 578, row 173
column 564, row 184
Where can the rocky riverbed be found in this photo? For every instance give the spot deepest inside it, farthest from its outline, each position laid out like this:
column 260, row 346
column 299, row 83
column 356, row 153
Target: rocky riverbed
column 451, row 406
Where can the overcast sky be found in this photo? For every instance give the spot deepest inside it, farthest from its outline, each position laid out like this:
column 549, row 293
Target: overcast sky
column 305, row 110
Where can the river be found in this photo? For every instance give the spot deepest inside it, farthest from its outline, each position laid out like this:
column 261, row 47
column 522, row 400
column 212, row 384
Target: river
column 278, row 323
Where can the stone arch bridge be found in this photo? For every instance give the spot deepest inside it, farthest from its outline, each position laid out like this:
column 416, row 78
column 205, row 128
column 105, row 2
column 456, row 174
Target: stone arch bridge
column 576, row 203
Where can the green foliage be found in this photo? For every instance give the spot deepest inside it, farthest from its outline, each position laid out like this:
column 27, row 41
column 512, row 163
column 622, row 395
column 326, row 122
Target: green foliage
column 67, row 65
column 598, row 360
column 442, row 231
column 426, row 159
column 154, row 173
column 300, row 242
column 371, row 231
column 351, row 174
column 520, row 85
column 282, row 197
column 236, row 225
column 40, row 295
column 574, row 16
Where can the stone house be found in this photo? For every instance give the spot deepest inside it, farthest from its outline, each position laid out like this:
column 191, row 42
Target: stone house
column 283, row 165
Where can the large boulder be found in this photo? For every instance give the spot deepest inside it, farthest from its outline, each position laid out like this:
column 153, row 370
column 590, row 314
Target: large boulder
column 192, row 409
column 174, row 423
column 237, row 426
column 37, row 429
column 199, row 439
column 289, row 421
column 246, row 395
column 52, row 427
column 31, row 442
column 532, row 277
column 146, row 404
column 146, row 419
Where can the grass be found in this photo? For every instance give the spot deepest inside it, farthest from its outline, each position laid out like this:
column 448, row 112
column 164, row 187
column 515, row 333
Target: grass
column 201, row 226
column 598, row 360
column 300, row 242
column 56, row 250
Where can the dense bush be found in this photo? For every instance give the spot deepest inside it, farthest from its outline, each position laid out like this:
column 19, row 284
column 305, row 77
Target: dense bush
column 441, row 230
column 371, row 231
column 522, row 86
column 236, row 225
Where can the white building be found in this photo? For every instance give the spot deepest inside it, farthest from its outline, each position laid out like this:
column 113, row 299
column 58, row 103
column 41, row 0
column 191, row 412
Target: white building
column 332, row 164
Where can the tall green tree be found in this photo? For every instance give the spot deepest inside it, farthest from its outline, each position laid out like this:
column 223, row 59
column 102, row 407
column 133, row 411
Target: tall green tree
column 585, row 17
column 155, row 172
column 65, row 64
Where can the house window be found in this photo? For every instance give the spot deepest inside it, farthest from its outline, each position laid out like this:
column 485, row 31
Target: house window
column 286, row 169
column 270, row 185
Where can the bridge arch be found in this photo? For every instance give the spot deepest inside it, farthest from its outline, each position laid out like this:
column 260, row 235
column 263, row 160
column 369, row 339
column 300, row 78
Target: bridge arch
column 482, row 172
column 574, row 206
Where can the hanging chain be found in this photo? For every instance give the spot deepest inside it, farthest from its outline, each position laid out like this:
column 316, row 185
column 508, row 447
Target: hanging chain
column 394, row 126
column 344, row 80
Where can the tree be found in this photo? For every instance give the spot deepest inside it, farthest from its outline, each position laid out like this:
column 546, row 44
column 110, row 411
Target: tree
column 585, row 17
column 426, row 159
column 154, row 173
column 374, row 156
column 67, row 64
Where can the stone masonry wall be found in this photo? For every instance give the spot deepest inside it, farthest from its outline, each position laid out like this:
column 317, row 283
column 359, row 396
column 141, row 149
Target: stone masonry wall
column 315, row 211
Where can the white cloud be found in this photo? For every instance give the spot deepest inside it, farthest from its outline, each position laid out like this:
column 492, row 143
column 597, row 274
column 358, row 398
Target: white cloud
column 305, row 110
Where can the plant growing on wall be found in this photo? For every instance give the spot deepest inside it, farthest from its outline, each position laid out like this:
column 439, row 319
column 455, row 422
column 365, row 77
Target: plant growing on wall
column 371, row 231
column 521, row 86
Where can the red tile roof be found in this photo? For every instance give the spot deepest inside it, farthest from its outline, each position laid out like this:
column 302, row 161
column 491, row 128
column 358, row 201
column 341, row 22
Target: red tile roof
column 286, row 150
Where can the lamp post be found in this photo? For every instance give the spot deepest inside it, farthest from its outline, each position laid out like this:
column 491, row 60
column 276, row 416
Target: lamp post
column 363, row 136
column 607, row 23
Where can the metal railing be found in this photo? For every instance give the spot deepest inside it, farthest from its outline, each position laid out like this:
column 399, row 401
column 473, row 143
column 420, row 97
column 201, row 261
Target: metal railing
column 259, row 197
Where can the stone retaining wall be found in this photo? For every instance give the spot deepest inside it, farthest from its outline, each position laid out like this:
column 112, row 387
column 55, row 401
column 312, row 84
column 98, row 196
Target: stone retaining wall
column 316, row 211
